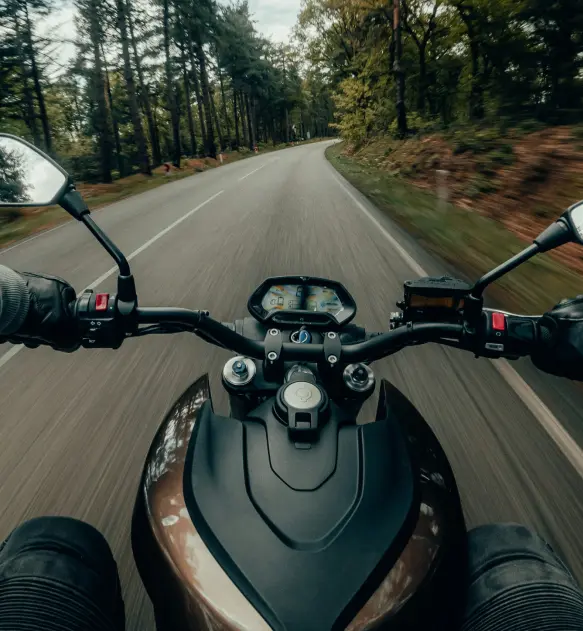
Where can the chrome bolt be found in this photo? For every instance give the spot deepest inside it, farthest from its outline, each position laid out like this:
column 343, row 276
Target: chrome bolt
column 332, row 335
column 240, row 369
column 273, row 332
column 332, row 359
column 272, row 356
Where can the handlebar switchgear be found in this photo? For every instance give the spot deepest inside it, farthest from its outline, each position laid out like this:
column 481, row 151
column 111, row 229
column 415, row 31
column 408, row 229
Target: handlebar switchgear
column 507, row 335
column 98, row 320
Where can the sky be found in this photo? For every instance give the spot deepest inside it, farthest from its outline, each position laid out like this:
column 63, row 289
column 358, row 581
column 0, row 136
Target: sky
column 273, row 19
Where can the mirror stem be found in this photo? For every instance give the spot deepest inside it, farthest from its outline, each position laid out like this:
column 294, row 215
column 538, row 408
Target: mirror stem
column 108, row 244
column 506, row 267
column 75, row 205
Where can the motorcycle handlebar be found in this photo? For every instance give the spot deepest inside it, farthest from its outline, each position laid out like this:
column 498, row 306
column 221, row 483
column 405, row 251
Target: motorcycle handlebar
column 374, row 348
column 103, row 325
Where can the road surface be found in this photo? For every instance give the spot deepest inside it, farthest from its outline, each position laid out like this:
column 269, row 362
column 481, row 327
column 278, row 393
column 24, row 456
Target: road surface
column 75, row 429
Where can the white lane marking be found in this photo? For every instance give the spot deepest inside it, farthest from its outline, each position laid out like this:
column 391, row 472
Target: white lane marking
column 8, row 355
column 541, row 412
column 394, row 243
column 16, row 349
column 36, row 236
column 257, row 169
column 571, row 450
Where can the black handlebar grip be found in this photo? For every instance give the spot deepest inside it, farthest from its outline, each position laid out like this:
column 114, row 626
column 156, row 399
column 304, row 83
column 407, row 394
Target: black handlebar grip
column 545, row 336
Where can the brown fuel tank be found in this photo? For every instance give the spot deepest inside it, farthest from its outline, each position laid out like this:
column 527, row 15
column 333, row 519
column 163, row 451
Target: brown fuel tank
column 189, row 589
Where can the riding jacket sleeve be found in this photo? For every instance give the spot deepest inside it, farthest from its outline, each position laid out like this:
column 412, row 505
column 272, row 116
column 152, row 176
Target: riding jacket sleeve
column 14, row 301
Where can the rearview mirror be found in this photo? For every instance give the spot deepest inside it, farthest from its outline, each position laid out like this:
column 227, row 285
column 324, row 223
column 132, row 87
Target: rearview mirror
column 28, row 177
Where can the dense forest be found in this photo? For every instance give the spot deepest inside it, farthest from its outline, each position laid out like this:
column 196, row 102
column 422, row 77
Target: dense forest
column 156, row 81
column 403, row 66
column 152, row 81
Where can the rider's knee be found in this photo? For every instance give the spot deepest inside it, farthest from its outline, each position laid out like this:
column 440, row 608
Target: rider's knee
column 517, row 582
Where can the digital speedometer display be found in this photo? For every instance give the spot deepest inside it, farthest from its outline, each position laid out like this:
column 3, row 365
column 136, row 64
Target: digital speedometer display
column 302, row 300
column 302, row 297
column 322, row 299
column 283, row 297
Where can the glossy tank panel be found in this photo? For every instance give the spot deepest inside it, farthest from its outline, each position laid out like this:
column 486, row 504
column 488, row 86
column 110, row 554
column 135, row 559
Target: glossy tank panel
column 189, row 589
column 426, row 581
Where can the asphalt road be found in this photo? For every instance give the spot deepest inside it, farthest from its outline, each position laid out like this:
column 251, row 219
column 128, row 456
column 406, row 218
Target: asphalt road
column 75, row 429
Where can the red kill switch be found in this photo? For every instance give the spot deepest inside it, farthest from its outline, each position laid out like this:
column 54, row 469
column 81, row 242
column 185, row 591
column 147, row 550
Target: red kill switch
column 498, row 322
column 101, row 301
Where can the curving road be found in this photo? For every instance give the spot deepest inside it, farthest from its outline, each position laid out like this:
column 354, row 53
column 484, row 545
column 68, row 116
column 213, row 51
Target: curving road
column 74, row 430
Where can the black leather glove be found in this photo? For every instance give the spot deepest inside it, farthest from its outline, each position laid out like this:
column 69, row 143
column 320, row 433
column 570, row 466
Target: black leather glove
column 49, row 320
column 561, row 340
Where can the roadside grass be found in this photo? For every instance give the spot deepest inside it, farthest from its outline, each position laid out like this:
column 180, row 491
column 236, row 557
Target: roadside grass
column 34, row 220
column 467, row 241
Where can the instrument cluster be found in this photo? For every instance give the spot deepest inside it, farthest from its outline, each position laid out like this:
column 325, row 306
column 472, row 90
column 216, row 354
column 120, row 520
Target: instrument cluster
column 302, row 300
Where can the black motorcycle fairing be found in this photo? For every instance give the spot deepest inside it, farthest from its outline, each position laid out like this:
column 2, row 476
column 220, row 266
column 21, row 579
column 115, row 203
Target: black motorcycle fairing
column 438, row 595
column 306, row 559
column 393, row 405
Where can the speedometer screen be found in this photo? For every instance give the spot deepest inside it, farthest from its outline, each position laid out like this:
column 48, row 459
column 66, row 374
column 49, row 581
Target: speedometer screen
column 322, row 299
column 302, row 297
column 302, row 300
column 283, row 297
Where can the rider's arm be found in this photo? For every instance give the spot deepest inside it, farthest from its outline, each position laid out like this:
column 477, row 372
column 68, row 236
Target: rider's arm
column 14, row 301
column 36, row 309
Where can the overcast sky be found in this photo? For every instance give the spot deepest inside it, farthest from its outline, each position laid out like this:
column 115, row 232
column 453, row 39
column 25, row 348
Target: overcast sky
column 273, row 18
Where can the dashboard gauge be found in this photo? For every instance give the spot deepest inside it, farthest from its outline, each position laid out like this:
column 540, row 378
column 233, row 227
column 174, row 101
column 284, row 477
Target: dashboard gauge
column 292, row 300
column 283, row 297
column 323, row 299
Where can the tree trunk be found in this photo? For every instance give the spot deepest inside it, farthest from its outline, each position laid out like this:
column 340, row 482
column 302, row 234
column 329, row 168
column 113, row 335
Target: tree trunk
column 196, row 85
column 37, row 86
column 217, row 123
column 254, row 121
column 188, row 103
column 476, row 92
column 476, row 101
column 224, row 102
column 144, row 96
column 210, row 147
column 235, row 117
column 28, row 99
column 170, row 93
column 100, row 122
column 399, row 73
column 243, row 119
column 131, row 89
column 250, row 124
column 286, row 134
column 422, row 82
column 118, row 153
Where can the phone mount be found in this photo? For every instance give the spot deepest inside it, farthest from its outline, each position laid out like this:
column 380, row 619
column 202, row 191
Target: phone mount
column 75, row 205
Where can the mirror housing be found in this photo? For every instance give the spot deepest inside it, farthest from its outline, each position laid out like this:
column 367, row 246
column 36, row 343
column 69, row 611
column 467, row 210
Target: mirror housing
column 567, row 229
column 73, row 203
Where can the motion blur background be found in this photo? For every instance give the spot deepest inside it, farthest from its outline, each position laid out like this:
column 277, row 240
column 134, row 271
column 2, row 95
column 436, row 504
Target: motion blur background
column 461, row 128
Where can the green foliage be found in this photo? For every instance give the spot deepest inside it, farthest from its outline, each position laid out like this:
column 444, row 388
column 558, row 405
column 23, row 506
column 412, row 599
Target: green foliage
column 514, row 64
column 481, row 184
